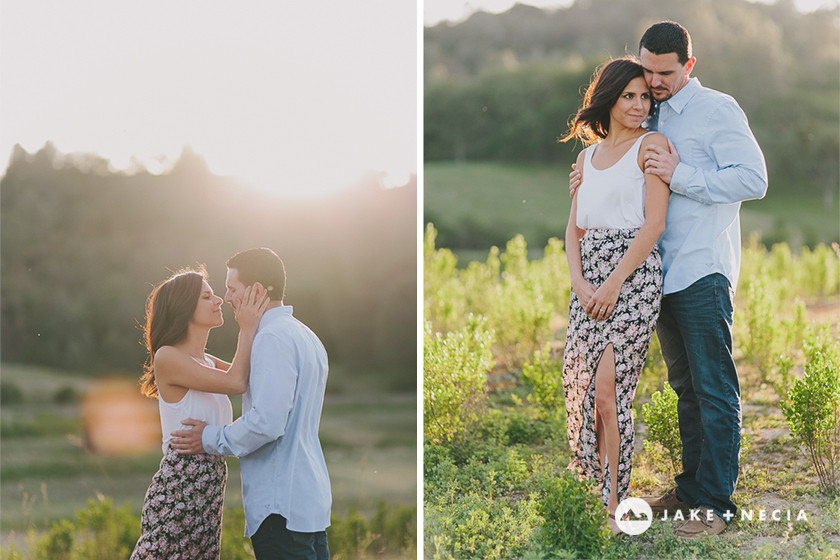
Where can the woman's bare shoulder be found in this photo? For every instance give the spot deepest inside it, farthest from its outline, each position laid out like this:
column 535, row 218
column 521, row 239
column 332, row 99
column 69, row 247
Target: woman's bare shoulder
column 655, row 138
column 168, row 355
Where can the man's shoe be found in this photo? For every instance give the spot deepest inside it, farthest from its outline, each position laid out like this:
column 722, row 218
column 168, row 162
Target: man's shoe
column 704, row 522
column 667, row 502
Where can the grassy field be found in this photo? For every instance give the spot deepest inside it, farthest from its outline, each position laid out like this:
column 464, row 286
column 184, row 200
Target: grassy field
column 495, row 420
column 46, row 472
column 475, row 205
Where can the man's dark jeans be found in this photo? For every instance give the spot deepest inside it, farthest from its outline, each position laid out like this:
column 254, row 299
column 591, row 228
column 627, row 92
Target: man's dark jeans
column 695, row 333
column 273, row 541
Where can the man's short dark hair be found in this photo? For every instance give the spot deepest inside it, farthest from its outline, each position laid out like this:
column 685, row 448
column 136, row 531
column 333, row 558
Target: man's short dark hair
column 261, row 265
column 667, row 37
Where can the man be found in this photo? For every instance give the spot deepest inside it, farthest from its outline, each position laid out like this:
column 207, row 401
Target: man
column 285, row 484
column 713, row 165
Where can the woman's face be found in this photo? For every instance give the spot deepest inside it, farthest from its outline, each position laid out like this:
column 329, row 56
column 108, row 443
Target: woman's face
column 208, row 310
column 633, row 105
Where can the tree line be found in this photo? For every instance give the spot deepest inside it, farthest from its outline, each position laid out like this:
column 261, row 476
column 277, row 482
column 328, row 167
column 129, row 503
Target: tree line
column 503, row 87
column 82, row 247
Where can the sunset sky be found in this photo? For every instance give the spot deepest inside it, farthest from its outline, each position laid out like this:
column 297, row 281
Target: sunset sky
column 299, row 97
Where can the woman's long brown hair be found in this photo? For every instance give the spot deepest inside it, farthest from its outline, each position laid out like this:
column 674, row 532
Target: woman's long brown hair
column 169, row 309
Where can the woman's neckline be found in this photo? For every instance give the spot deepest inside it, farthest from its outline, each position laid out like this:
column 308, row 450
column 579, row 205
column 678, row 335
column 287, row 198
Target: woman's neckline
column 616, row 162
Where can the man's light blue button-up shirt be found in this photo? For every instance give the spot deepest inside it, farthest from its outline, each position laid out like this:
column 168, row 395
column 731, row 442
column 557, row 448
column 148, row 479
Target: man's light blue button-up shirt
column 721, row 165
column 276, row 438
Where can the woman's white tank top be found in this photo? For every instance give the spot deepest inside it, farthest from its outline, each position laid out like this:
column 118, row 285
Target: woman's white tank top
column 212, row 408
column 614, row 197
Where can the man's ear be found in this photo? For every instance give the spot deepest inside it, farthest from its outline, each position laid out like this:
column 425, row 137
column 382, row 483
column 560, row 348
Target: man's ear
column 689, row 65
column 269, row 291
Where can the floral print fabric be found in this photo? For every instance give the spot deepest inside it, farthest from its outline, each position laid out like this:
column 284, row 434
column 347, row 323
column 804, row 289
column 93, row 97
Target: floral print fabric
column 629, row 329
column 182, row 512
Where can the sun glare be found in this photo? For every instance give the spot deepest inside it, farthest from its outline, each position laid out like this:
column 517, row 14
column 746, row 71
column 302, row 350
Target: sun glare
column 260, row 93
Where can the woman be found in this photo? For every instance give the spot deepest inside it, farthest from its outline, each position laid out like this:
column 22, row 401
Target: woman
column 617, row 215
column 182, row 512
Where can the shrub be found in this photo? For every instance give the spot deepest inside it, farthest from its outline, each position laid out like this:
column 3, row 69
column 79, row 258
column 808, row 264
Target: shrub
column 654, row 370
column 391, row 531
column 520, row 313
column 455, row 366
column 544, row 374
column 763, row 329
column 99, row 531
column 660, row 417
column 812, row 410
column 66, row 395
column 103, row 531
column 396, row 528
column 574, row 517
column 820, row 270
column 444, row 295
column 10, row 393
column 478, row 526
column 518, row 296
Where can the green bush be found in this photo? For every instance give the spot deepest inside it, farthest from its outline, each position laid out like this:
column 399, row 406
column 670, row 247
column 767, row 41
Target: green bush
column 663, row 432
column 812, row 410
column 574, row 517
column 760, row 313
column 480, row 526
column 10, row 393
column 444, row 294
column 455, row 366
column 103, row 531
column 99, row 531
column 397, row 529
column 654, row 371
column 390, row 531
column 544, row 374
column 517, row 296
column 66, row 395
column 520, row 314
column 820, row 270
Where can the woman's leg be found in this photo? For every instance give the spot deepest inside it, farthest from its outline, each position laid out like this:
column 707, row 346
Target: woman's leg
column 605, row 409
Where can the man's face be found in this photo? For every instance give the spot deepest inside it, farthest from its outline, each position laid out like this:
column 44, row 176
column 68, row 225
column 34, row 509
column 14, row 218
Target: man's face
column 235, row 289
column 664, row 74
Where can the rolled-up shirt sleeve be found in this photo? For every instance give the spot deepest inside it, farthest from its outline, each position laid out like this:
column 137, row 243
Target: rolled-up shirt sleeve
column 271, row 392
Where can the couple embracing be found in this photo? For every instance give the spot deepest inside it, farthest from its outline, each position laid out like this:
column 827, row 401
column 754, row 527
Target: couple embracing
column 281, row 367
column 653, row 241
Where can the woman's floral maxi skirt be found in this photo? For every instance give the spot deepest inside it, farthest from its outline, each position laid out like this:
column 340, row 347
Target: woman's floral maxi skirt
column 629, row 329
column 182, row 512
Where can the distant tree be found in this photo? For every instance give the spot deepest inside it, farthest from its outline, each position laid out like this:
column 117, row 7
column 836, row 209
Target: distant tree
column 501, row 87
column 82, row 247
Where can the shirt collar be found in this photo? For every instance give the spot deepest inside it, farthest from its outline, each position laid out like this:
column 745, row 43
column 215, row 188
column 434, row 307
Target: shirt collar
column 274, row 314
column 682, row 97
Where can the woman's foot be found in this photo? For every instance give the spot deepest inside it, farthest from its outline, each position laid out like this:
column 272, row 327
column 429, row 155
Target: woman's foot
column 613, row 525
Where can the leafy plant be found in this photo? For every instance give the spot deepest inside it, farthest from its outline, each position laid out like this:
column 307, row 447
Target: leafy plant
column 455, row 366
column 104, row 531
column 660, row 417
column 761, row 318
column 479, row 526
column 544, row 374
column 812, row 410
column 99, row 531
column 574, row 517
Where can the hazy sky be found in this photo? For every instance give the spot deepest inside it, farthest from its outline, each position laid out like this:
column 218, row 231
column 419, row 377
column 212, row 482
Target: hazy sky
column 435, row 11
column 299, row 96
